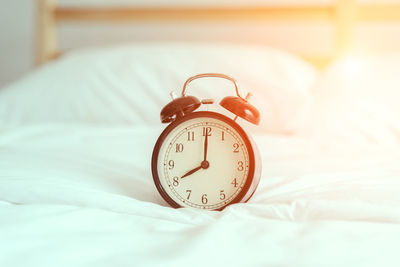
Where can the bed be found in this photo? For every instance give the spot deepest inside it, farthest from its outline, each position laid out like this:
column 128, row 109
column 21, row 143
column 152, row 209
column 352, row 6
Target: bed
column 77, row 135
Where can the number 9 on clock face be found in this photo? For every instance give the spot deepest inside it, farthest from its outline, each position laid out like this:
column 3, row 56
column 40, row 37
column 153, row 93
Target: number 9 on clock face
column 205, row 160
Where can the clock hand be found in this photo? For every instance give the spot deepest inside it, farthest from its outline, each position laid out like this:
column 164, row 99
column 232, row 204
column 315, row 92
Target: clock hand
column 205, row 147
column 192, row 171
column 204, row 163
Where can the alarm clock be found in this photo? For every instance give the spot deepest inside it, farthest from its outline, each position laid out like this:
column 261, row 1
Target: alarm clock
column 204, row 159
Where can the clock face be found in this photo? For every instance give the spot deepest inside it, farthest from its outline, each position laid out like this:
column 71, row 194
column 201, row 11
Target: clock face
column 203, row 161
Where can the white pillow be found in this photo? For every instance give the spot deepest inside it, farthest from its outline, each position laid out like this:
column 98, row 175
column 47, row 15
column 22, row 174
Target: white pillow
column 357, row 101
column 130, row 84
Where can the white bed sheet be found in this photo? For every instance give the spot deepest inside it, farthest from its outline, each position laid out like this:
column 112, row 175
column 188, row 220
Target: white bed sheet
column 83, row 196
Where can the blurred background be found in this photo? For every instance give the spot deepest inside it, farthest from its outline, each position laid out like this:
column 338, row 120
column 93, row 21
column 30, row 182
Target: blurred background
column 18, row 31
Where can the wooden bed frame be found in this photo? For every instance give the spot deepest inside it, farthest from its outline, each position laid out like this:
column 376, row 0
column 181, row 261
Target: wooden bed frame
column 344, row 14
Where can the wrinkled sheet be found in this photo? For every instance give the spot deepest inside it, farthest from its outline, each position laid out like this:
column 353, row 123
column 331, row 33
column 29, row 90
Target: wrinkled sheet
column 80, row 195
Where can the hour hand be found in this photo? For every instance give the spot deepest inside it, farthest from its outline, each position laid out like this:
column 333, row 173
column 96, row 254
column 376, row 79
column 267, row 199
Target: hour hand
column 192, row 171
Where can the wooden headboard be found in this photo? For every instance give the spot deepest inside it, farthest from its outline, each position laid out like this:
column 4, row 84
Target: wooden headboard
column 343, row 13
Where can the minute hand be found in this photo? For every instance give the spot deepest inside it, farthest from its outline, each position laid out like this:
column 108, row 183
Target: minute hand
column 205, row 147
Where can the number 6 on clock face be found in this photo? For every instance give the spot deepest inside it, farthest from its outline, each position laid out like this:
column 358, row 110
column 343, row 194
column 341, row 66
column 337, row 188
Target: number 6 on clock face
column 205, row 160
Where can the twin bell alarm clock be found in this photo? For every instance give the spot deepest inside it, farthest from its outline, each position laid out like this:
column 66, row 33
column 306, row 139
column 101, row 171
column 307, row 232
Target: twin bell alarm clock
column 204, row 159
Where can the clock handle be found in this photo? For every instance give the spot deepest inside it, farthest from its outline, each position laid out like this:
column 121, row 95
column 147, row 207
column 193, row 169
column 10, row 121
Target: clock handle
column 212, row 75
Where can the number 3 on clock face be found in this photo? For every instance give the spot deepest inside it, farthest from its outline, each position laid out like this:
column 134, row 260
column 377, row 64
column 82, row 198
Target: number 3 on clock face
column 204, row 160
